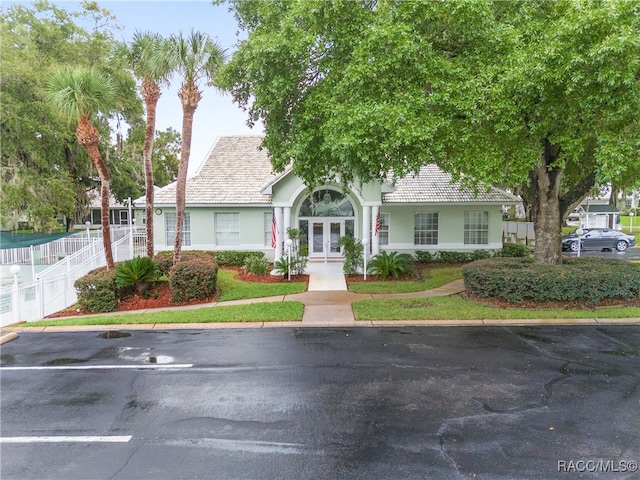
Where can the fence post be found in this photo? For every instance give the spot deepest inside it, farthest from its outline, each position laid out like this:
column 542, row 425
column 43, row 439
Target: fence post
column 15, row 297
column 40, row 297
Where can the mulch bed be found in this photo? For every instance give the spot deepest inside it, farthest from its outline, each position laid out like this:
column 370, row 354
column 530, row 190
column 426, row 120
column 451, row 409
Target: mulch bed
column 161, row 295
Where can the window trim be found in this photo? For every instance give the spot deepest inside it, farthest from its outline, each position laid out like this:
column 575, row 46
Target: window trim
column 434, row 233
column 480, row 230
column 216, row 232
column 170, row 234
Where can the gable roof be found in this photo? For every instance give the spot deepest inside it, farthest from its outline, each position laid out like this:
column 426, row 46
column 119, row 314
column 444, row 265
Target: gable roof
column 234, row 173
column 237, row 172
column 432, row 185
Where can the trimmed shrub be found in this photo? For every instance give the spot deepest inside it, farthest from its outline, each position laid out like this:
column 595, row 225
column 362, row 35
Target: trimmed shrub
column 164, row 262
column 390, row 265
column 513, row 250
column 193, row 279
column 479, row 255
column 97, row 291
column 577, row 279
column 424, row 256
column 256, row 265
column 453, row 257
column 233, row 258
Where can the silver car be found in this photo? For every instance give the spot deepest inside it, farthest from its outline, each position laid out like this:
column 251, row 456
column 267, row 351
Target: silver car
column 598, row 239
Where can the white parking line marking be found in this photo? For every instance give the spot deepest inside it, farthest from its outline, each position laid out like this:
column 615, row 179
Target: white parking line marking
column 68, row 439
column 101, row 367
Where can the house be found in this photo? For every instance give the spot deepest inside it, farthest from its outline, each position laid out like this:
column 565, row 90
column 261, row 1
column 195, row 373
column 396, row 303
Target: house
column 118, row 212
column 236, row 202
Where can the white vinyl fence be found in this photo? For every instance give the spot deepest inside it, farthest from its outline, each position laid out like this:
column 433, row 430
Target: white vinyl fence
column 52, row 290
column 518, row 232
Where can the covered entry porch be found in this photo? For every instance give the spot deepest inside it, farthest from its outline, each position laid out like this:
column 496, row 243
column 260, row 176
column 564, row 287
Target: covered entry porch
column 322, row 218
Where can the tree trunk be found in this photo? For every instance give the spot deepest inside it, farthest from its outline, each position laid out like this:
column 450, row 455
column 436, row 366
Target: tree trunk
column 151, row 94
column 544, row 199
column 89, row 137
column 189, row 96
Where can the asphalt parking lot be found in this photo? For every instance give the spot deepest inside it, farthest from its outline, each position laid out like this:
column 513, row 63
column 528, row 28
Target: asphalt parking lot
column 288, row 403
column 630, row 254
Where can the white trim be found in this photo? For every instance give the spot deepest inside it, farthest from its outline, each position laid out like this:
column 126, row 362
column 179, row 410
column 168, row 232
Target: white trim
column 352, row 192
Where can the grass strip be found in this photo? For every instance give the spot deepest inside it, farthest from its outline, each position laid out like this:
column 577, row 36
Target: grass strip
column 254, row 312
column 432, row 278
column 234, row 289
column 457, row 308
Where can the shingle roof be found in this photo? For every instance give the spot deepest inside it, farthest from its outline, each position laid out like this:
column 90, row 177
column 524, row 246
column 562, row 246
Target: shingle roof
column 234, row 172
column 595, row 208
column 432, row 185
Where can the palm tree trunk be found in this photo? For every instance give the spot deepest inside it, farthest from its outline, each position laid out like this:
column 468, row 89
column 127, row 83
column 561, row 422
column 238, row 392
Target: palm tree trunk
column 190, row 98
column 151, row 94
column 88, row 137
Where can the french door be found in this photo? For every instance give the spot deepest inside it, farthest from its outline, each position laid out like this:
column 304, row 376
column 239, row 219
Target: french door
column 325, row 237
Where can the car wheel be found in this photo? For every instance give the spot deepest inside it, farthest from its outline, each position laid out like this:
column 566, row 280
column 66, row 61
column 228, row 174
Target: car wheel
column 574, row 246
column 621, row 246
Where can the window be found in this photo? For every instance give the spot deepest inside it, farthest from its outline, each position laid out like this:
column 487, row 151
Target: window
column 227, row 229
column 476, row 228
column 425, row 228
column 170, row 229
column 383, row 232
column 268, row 220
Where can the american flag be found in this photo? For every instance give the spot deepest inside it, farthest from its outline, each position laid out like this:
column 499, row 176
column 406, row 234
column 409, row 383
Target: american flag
column 377, row 224
column 274, row 230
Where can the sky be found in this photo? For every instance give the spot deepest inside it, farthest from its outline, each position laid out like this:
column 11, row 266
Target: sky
column 216, row 114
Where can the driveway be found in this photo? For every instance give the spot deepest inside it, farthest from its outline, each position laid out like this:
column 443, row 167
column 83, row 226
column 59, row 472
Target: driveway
column 294, row 403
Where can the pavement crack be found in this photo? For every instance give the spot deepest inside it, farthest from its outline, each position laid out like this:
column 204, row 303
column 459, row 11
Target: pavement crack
column 544, row 397
column 126, row 463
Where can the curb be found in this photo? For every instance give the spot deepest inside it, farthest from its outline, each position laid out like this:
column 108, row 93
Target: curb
column 8, row 337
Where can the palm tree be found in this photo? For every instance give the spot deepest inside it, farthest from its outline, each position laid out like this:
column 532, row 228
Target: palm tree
column 196, row 58
column 148, row 61
column 80, row 93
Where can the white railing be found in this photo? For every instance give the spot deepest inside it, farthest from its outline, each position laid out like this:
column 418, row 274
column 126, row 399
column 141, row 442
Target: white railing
column 52, row 252
column 53, row 289
column 46, row 253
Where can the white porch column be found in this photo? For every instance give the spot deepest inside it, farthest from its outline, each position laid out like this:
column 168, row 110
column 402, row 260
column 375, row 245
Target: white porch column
column 279, row 231
column 375, row 241
column 287, row 222
column 366, row 222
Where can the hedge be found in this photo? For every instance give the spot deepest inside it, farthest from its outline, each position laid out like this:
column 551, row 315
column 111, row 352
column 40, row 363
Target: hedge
column 97, row 290
column 234, row 258
column 576, row 279
column 192, row 279
column 446, row 256
column 164, row 260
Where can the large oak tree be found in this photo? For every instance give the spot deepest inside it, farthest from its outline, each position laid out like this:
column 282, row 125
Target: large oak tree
column 543, row 95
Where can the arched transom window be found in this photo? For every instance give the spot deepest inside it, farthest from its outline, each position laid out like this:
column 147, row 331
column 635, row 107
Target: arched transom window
column 327, row 203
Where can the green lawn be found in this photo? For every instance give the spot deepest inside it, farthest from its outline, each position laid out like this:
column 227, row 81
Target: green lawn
column 431, row 278
column 233, row 289
column 457, row 308
column 255, row 312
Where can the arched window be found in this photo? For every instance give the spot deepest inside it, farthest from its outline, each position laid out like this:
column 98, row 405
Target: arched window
column 327, row 203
